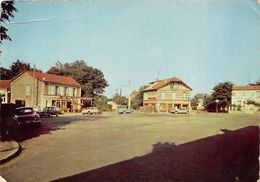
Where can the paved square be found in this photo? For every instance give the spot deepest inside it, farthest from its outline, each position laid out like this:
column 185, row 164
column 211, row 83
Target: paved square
column 71, row 144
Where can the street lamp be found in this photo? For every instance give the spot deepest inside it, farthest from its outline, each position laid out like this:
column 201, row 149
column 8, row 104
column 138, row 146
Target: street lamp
column 217, row 101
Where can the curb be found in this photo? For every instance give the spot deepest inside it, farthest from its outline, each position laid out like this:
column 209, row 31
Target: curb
column 15, row 154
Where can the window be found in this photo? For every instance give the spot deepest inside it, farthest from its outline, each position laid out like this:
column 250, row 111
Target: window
column 27, row 90
column 65, row 90
column 70, row 91
column 176, row 85
column 257, row 94
column 49, row 89
column 52, row 90
column 171, row 85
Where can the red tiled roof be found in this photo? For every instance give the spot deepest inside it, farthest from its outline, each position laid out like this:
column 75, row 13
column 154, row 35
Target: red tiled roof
column 51, row 78
column 5, row 83
column 161, row 83
column 254, row 87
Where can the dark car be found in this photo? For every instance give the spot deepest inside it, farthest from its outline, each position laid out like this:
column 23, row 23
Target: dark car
column 26, row 115
column 48, row 111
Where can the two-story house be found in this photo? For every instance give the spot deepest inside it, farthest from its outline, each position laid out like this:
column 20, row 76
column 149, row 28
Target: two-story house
column 163, row 95
column 5, row 91
column 43, row 89
column 241, row 95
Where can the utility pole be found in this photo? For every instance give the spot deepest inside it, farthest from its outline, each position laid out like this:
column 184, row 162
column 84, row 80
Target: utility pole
column 129, row 94
column 33, row 86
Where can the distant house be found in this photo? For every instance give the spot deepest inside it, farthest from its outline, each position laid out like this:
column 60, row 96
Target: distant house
column 163, row 95
column 200, row 98
column 113, row 105
column 5, row 91
column 242, row 95
column 43, row 89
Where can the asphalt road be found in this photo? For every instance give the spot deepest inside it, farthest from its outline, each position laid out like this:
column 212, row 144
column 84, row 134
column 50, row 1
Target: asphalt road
column 100, row 147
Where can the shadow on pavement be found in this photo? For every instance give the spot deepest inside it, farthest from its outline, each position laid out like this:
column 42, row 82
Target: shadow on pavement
column 229, row 157
column 48, row 125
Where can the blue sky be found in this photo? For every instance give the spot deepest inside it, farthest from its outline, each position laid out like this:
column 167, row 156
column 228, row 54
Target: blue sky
column 201, row 42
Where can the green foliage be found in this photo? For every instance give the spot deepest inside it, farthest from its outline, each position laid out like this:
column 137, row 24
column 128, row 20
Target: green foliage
column 100, row 101
column 194, row 102
column 120, row 100
column 221, row 92
column 5, row 74
column 253, row 103
column 256, row 83
column 15, row 69
column 91, row 79
column 7, row 9
column 137, row 101
column 207, row 100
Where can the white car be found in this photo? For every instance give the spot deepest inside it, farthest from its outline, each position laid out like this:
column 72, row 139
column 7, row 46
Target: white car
column 90, row 110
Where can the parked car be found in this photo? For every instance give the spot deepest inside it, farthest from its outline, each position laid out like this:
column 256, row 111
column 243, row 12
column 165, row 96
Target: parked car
column 48, row 111
column 182, row 110
column 123, row 109
column 60, row 111
column 90, row 110
column 26, row 115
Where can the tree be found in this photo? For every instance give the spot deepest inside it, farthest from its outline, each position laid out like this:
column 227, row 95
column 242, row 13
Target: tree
column 120, row 100
column 194, row 102
column 19, row 67
column 256, row 83
column 7, row 9
column 100, row 101
column 5, row 74
column 15, row 69
column 221, row 92
column 137, row 101
column 91, row 79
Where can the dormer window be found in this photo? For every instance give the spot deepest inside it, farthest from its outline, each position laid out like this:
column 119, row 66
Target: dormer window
column 174, row 85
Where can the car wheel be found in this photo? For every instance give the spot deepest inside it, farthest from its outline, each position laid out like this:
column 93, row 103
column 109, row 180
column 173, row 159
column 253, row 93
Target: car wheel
column 49, row 115
column 38, row 124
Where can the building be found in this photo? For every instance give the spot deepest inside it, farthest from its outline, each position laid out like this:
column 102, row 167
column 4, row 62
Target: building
column 5, row 91
column 200, row 99
column 163, row 95
column 243, row 95
column 43, row 89
column 113, row 105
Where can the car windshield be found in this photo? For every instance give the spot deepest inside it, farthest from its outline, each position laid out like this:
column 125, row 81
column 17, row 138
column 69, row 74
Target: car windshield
column 24, row 111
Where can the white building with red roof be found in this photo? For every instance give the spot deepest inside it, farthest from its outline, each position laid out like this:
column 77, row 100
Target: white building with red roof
column 5, row 91
column 164, row 95
column 43, row 89
column 241, row 95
